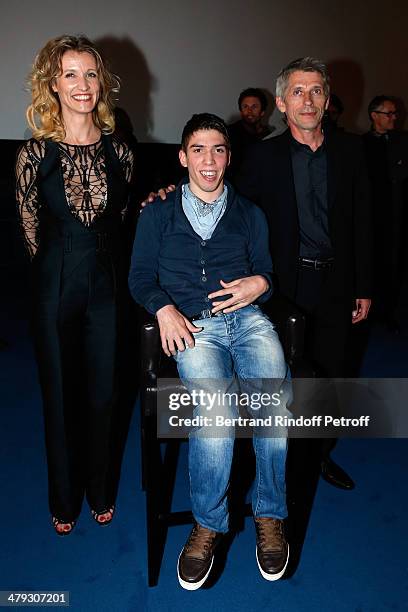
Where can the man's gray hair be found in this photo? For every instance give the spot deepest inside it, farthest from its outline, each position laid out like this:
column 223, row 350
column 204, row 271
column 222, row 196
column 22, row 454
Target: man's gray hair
column 304, row 64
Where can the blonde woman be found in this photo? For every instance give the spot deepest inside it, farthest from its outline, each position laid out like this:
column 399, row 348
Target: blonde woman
column 72, row 187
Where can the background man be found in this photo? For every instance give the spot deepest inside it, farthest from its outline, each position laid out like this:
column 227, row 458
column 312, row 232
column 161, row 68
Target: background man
column 314, row 190
column 204, row 237
column 387, row 159
column 252, row 104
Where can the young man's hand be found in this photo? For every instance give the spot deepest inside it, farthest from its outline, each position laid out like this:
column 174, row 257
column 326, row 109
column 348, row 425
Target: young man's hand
column 243, row 291
column 162, row 193
column 175, row 330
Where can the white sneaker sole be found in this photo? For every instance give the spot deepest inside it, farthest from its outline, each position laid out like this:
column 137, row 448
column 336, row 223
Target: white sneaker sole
column 193, row 586
column 267, row 576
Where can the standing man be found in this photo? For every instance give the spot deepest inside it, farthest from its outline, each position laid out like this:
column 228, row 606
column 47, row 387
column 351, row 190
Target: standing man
column 248, row 130
column 201, row 264
column 314, row 190
column 387, row 159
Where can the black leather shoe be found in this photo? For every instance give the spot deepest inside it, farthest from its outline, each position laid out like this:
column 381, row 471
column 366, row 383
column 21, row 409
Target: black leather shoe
column 335, row 475
column 272, row 550
column 196, row 558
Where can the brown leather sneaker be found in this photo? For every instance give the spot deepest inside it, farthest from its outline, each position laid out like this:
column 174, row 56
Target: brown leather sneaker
column 196, row 558
column 272, row 550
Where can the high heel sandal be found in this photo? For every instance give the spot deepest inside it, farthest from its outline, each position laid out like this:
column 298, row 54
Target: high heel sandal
column 98, row 515
column 57, row 522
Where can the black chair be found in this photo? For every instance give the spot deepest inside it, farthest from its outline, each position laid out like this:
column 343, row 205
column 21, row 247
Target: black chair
column 159, row 456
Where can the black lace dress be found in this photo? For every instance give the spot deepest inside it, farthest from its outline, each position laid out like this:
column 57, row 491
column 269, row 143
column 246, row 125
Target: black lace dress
column 71, row 201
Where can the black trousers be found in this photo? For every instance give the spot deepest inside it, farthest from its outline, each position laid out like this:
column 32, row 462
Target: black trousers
column 75, row 337
column 327, row 327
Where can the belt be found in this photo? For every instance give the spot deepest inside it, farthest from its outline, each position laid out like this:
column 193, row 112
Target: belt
column 316, row 264
column 100, row 241
column 204, row 314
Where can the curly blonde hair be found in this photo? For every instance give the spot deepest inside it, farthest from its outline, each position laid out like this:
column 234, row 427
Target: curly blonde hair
column 44, row 113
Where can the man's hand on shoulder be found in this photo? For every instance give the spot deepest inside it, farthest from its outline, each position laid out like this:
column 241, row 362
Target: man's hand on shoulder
column 175, row 330
column 162, row 193
column 243, row 292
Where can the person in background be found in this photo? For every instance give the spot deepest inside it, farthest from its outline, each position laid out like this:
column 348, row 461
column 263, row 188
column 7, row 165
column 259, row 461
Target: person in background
column 250, row 128
column 72, row 190
column 387, row 159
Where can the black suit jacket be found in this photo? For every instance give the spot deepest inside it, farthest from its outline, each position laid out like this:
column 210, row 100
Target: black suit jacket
column 387, row 162
column 266, row 177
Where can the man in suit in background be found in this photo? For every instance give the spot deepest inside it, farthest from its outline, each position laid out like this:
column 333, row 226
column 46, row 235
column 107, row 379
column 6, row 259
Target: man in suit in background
column 387, row 160
column 313, row 187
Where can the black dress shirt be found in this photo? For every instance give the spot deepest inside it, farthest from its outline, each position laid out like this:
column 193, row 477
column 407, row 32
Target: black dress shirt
column 310, row 178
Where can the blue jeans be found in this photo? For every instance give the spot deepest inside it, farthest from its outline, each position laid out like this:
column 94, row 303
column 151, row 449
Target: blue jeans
column 238, row 349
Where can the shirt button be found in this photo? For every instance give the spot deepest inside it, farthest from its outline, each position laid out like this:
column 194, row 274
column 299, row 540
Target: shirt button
column 204, row 279
column 203, row 243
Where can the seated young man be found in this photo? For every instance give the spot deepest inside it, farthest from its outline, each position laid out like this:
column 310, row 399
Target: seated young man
column 201, row 264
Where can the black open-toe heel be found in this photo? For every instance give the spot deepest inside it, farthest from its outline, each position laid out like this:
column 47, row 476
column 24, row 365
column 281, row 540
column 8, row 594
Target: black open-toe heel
column 57, row 522
column 98, row 516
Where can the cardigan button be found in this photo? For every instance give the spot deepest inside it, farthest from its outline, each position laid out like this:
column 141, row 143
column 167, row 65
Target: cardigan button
column 204, row 279
column 203, row 243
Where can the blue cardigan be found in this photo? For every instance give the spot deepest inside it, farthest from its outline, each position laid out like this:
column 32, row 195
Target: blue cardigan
column 171, row 264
